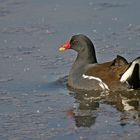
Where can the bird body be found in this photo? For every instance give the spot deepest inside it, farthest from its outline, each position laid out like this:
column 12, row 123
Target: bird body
column 87, row 74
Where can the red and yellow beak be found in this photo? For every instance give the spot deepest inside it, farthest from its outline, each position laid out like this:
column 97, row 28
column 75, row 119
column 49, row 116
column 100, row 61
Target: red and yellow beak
column 65, row 46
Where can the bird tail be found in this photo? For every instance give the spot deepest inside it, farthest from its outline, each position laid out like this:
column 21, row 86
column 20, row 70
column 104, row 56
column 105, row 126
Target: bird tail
column 132, row 75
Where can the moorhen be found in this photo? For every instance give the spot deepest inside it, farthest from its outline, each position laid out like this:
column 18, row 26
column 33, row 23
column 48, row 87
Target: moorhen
column 87, row 74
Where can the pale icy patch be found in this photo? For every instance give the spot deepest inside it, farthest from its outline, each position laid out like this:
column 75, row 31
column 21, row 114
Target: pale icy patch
column 101, row 83
column 127, row 107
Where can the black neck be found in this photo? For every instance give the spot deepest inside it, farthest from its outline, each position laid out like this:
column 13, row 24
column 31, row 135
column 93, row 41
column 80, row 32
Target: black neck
column 83, row 59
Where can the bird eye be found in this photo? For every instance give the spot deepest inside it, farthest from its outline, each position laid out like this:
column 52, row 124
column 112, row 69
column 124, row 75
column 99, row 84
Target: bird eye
column 75, row 42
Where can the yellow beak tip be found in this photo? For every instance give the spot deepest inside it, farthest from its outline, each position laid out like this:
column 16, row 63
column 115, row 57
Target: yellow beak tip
column 62, row 49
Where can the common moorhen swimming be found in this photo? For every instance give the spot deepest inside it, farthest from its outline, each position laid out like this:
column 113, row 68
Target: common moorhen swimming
column 87, row 74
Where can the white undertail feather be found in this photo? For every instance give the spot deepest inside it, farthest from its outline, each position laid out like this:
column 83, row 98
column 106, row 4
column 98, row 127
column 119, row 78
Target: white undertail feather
column 101, row 83
column 129, row 72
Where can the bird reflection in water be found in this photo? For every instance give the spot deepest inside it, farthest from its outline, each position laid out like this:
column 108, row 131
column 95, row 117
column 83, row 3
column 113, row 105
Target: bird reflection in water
column 87, row 106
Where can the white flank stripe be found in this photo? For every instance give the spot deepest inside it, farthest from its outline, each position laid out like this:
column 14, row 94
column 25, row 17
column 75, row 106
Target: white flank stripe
column 101, row 83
